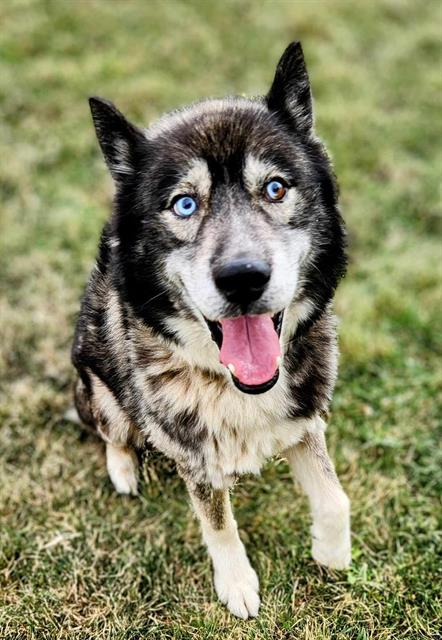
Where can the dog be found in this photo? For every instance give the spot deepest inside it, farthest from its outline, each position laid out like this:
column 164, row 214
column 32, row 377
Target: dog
column 206, row 329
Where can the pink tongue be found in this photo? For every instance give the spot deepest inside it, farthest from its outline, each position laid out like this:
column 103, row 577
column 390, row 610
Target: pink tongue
column 251, row 344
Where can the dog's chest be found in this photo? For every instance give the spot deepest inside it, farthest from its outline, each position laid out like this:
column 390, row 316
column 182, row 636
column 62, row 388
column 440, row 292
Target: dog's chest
column 231, row 451
column 234, row 433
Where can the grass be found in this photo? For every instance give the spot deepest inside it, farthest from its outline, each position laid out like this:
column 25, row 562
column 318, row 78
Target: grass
column 76, row 560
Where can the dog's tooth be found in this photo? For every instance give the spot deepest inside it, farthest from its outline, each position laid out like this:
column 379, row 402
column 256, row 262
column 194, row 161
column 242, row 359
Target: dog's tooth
column 231, row 368
column 278, row 361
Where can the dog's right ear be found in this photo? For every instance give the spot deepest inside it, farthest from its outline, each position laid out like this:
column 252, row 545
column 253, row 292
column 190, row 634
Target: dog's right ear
column 120, row 141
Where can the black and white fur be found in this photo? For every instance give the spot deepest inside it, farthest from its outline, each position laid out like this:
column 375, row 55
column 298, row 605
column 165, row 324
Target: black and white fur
column 149, row 369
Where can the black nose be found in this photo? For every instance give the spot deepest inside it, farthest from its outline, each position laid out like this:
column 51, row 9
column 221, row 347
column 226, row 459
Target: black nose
column 242, row 280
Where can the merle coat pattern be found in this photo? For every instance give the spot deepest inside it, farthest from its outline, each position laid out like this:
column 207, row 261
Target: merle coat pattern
column 152, row 321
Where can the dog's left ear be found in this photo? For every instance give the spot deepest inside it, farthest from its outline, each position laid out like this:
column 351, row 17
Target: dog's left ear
column 290, row 93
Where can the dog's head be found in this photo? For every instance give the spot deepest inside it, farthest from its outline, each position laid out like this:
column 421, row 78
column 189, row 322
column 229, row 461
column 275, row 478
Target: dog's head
column 226, row 214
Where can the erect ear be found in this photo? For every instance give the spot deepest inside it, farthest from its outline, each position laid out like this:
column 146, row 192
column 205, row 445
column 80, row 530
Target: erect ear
column 120, row 141
column 290, row 93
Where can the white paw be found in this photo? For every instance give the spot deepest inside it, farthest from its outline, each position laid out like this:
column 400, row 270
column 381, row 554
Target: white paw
column 331, row 544
column 122, row 466
column 334, row 556
column 237, row 587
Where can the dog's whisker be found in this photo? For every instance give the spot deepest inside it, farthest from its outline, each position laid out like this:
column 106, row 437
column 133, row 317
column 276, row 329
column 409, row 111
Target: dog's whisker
column 158, row 295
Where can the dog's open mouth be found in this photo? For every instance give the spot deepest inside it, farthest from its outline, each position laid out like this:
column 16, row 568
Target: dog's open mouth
column 249, row 348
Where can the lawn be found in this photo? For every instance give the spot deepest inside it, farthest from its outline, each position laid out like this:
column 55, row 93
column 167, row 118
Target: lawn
column 76, row 560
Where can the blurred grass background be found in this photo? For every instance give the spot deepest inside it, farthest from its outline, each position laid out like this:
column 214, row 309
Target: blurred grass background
column 76, row 560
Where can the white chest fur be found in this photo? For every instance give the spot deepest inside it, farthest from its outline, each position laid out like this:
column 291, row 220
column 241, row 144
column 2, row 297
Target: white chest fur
column 233, row 452
column 241, row 431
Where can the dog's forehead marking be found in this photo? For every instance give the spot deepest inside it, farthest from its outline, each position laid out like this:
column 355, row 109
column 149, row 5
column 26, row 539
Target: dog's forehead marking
column 196, row 177
column 190, row 115
column 258, row 170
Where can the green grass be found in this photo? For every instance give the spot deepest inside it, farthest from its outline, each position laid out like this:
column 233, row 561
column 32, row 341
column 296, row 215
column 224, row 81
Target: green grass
column 76, row 560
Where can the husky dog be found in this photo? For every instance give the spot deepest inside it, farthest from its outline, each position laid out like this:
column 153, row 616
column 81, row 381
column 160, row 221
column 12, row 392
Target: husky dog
column 206, row 329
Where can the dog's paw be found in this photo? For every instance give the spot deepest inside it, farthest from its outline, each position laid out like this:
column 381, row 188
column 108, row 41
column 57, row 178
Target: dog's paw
column 331, row 544
column 333, row 556
column 122, row 466
column 237, row 587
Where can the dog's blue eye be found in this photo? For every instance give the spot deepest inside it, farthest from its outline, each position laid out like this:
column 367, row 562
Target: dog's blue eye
column 185, row 206
column 275, row 190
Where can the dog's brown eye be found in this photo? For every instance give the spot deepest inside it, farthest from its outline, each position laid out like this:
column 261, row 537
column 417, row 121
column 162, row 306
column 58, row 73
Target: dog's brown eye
column 275, row 191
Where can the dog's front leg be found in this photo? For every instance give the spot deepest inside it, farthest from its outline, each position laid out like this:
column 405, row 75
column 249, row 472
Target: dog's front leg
column 330, row 506
column 236, row 583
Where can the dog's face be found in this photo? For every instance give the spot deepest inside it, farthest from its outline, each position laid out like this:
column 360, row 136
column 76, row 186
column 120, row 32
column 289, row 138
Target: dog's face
column 226, row 213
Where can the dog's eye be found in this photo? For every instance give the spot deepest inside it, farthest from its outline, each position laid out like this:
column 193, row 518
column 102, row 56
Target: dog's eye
column 275, row 190
column 185, row 206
